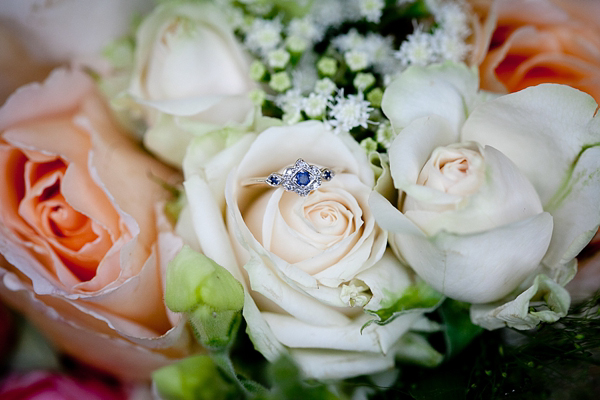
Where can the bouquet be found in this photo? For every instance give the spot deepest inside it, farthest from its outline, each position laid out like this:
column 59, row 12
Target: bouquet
column 299, row 199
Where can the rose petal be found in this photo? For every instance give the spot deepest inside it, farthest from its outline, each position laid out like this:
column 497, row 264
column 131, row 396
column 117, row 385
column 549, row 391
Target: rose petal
column 476, row 268
column 82, row 340
column 450, row 93
column 518, row 126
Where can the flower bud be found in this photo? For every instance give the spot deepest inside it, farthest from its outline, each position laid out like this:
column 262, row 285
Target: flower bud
column 208, row 293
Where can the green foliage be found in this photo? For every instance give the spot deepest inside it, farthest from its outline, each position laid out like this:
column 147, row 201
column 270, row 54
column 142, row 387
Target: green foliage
column 458, row 329
column 194, row 378
column 554, row 361
column 416, row 298
column 286, row 383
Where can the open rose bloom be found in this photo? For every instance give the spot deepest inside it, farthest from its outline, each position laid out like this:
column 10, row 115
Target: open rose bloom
column 311, row 265
column 524, row 43
column 82, row 232
column 496, row 195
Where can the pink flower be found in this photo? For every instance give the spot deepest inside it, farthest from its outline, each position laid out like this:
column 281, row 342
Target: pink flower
column 42, row 385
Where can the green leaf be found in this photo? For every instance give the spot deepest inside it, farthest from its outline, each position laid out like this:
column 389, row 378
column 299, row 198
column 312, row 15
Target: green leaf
column 287, row 383
column 414, row 348
column 417, row 298
column 33, row 350
column 458, row 329
column 194, row 378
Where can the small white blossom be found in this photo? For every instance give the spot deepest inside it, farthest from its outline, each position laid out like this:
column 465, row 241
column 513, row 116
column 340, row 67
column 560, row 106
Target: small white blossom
column 357, row 60
column 306, row 29
column 315, row 105
column 363, row 81
column 264, row 35
column 296, row 44
column 385, row 134
column 453, row 19
column 327, row 14
column 349, row 41
column 349, row 112
column 278, row 58
column 292, row 117
column 418, row 49
column 260, row 8
column 305, row 73
column 381, row 52
column 371, row 9
column 325, row 86
column 290, row 101
column 450, row 47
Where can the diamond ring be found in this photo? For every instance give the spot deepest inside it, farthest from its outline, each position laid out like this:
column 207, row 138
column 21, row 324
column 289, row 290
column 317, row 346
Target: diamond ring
column 300, row 178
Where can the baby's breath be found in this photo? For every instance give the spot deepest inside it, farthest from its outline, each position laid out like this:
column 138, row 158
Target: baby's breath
column 356, row 60
column 315, row 104
column 325, row 87
column 264, row 35
column 371, row 9
column 349, row 112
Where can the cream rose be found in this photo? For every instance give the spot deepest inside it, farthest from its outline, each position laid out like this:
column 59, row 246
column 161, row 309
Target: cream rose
column 82, row 230
column 311, row 264
column 69, row 30
column 190, row 76
column 492, row 193
column 525, row 43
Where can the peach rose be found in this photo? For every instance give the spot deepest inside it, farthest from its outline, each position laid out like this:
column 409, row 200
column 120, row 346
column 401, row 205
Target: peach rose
column 523, row 43
column 84, row 241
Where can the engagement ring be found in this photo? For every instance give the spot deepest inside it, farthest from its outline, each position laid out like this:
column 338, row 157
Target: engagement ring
column 300, row 178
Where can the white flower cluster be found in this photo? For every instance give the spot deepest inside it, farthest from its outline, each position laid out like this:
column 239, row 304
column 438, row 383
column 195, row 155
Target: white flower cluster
column 363, row 51
column 371, row 9
column 445, row 43
column 342, row 113
column 264, row 35
column 348, row 112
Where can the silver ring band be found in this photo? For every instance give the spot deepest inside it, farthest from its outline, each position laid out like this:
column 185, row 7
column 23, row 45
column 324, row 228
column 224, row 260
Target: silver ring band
column 300, row 178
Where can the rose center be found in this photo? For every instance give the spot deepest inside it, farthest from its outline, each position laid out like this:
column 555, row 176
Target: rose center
column 455, row 169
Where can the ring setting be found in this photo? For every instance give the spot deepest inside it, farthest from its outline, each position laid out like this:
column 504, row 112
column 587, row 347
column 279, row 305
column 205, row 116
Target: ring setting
column 300, row 178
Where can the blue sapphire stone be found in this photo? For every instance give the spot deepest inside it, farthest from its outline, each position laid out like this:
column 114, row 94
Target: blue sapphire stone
column 274, row 180
column 302, row 178
column 327, row 174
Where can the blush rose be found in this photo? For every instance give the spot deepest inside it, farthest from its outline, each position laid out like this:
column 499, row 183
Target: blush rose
column 84, row 241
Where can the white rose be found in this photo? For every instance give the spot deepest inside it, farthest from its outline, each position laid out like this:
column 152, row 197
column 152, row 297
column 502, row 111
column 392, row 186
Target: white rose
column 492, row 194
column 190, row 76
column 313, row 263
column 59, row 31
